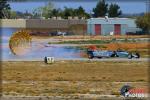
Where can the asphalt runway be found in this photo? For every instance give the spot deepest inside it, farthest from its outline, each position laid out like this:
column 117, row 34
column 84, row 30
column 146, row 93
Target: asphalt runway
column 86, row 59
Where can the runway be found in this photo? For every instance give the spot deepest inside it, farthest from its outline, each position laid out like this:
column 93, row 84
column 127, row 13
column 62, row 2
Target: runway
column 85, row 59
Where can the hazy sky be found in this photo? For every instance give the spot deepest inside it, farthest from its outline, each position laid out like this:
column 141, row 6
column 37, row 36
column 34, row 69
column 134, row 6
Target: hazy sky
column 126, row 7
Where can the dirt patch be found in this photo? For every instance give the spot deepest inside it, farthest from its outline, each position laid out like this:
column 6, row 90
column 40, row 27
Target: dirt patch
column 127, row 46
column 72, row 77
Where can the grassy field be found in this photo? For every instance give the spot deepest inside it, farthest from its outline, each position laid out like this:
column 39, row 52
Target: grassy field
column 98, row 41
column 95, row 37
column 72, row 77
column 84, row 42
column 77, row 39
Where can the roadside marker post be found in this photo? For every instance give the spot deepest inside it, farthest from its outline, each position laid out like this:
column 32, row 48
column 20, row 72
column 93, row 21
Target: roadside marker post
column 49, row 60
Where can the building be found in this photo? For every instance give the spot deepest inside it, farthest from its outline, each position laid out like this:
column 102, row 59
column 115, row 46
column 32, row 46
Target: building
column 93, row 26
column 74, row 26
column 111, row 26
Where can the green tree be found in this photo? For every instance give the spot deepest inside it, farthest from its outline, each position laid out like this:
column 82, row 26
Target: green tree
column 143, row 22
column 37, row 12
column 114, row 10
column 56, row 12
column 101, row 9
column 44, row 11
column 13, row 14
column 4, row 9
column 80, row 12
column 68, row 12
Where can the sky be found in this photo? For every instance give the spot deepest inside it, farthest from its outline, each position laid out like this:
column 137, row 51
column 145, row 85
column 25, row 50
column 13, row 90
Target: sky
column 126, row 7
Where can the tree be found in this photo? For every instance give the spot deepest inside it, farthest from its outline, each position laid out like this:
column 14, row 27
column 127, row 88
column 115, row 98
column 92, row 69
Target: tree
column 68, row 12
column 13, row 14
column 80, row 12
column 114, row 10
column 44, row 11
column 4, row 9
column 37, row 12
column 56, row 12
column 143, row 22
column 101, row 9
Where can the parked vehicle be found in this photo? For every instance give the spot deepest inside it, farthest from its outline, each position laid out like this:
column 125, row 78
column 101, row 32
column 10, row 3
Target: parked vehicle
column 107, row 54
column 57, row 33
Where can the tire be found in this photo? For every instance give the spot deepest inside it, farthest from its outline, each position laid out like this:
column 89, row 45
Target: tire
column 99, row 57
column 138, row 55
column 130, row 56
column 90, row 56
column 45, row 60
column 125, row 89
column 114, row 54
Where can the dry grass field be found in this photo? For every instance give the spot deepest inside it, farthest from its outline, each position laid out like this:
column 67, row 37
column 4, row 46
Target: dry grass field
column 72, row 77
column 96, row 37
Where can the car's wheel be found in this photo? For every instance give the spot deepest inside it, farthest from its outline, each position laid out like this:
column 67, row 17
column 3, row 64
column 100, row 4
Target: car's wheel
column 116, row 55
column 137, row 55
column 90, row 56
column 99, row 57
column 125, row 89
column 45, row 59
column 113, row 55
column 130, row 56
